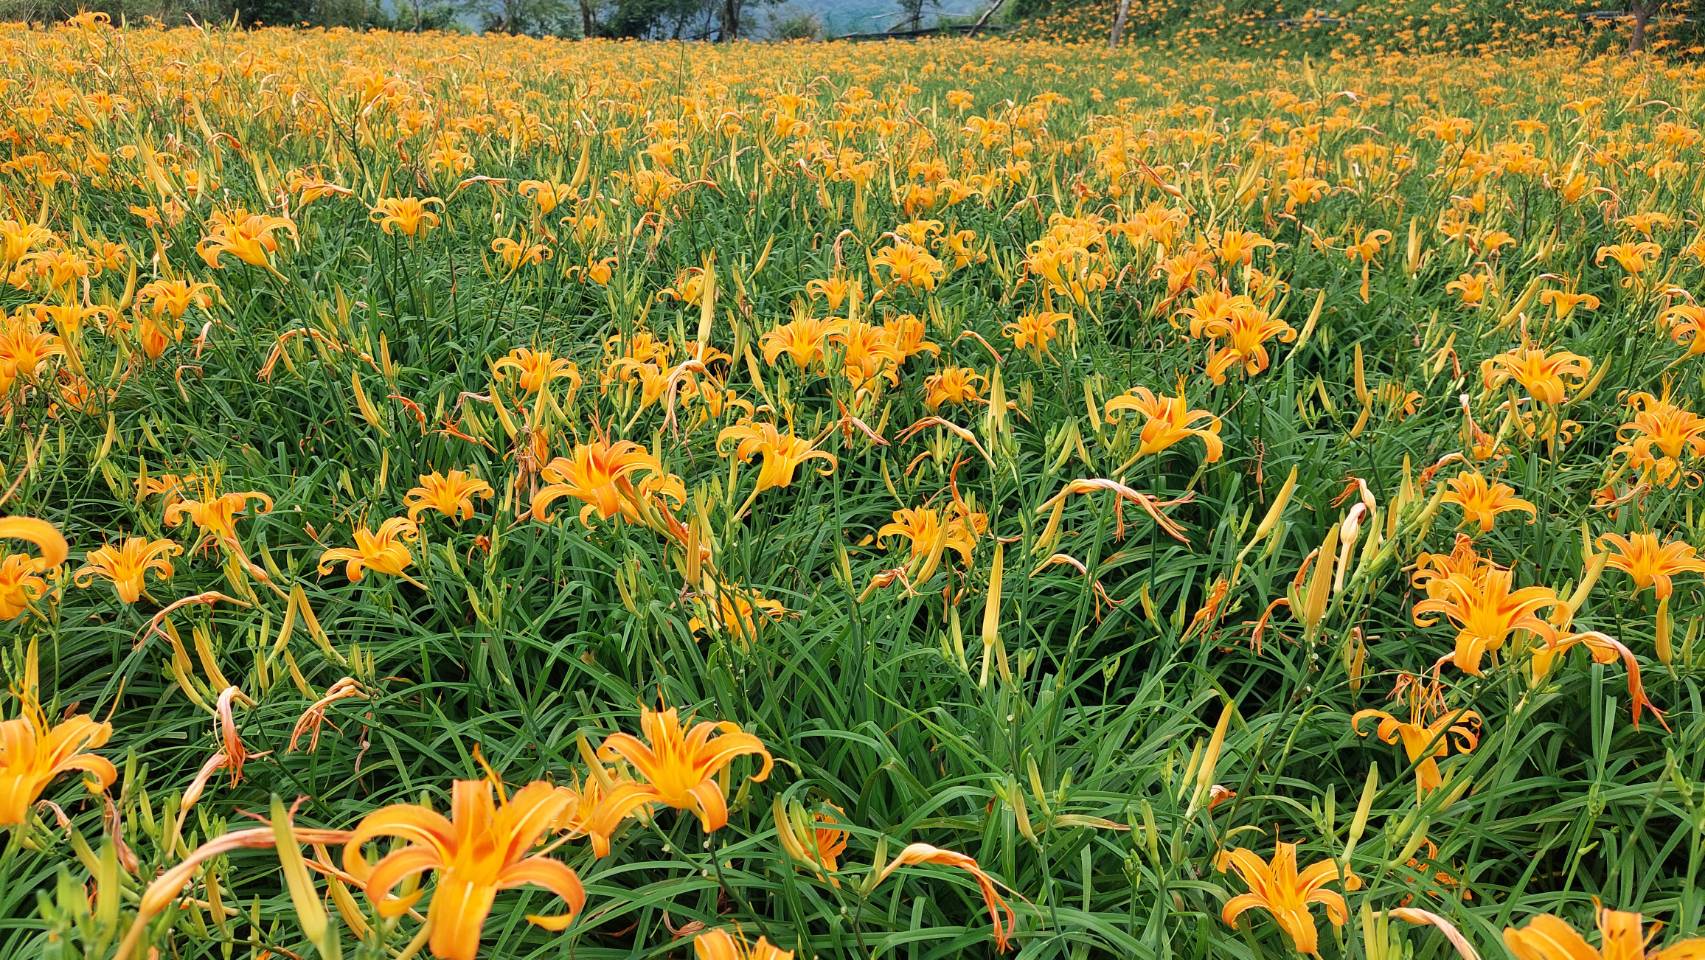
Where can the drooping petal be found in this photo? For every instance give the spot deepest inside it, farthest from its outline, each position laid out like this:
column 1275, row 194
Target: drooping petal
column 458, row 911
column 553, row 875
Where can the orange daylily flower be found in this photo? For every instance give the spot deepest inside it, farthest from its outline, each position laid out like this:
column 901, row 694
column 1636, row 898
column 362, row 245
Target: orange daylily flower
column 957, row 386
column 127, row 564
column 929, row 532
column 1545, row 376
column 1548, row 937
column 516, row 254
column 217, row 517
column 677, row 767
column 1240, row 334
column 246, row 236
column 1564, row 303
column 909, row 264
column 1659, row 438
column 1487, row 610
column 834, row 290
column 1482, row 501
column 33, row 751
column 804, row 340
column 722, row 945
column 1282, row 890
column 780, row 453
column 1168, row 420
column 1036, row 330
column 1425, row 739
column 451, row 494
column 1686, row 325
column 382, row 551
column 482, row 848
column 1650, row 562
column 1654, row 564
column 410, row 216
column 602, row 474
column 536, row 368
column 21, row 580
column 1633, row 258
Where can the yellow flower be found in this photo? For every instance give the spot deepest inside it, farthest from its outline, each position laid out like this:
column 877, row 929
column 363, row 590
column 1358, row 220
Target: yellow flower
column 1545, row 376
column 34, row 752
column 20, row 574
column 1240, row 336
column 834, row 290
column 602, row 475
column 736, row 611
column 24, row 350
column 907, row 336
column 1470, row 288
column 1548, row 937
column 246, row 236
column 1651, row 563
column 956, row 386
column 1481, row 502
column 482, row 848
column 909, row 265
column 930, row 533
column 722, row 945
column 410, row 216
column 803, row 340
column 382, row 551
column 868, row 354
column 1486, row 610
column 1686, row 324
column 536, row 368
column 451, row 494
column 217, row 517
column 781, row 453
column 173, row 298
column 545, row 195
column 516, row 254
column 1168, row 420
column 678, row 768
column 1035, row 330
column 1280, row 889
column 1659, row 437
column 1237, row 247
column 127, row 564
column 1633, row 258
column 1428, row 735
column 1564, row 303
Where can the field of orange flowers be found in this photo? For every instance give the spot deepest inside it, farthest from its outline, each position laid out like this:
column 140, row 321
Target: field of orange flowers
column 522, row 498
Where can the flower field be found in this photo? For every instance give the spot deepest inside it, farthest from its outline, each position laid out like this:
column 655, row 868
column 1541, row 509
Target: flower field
column 520, row 498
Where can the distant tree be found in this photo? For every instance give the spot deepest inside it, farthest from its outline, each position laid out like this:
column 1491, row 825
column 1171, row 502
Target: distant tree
column 988, row 14
column 1643, row 11
column 912, row 13
column 731, row 23
column 1119, row 23
column 523, row 16
column 798, row 26
column 652, row 19
column 420, row 15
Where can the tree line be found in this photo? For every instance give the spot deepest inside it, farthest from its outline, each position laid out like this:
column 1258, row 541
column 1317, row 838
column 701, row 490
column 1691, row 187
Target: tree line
column 717, row 20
